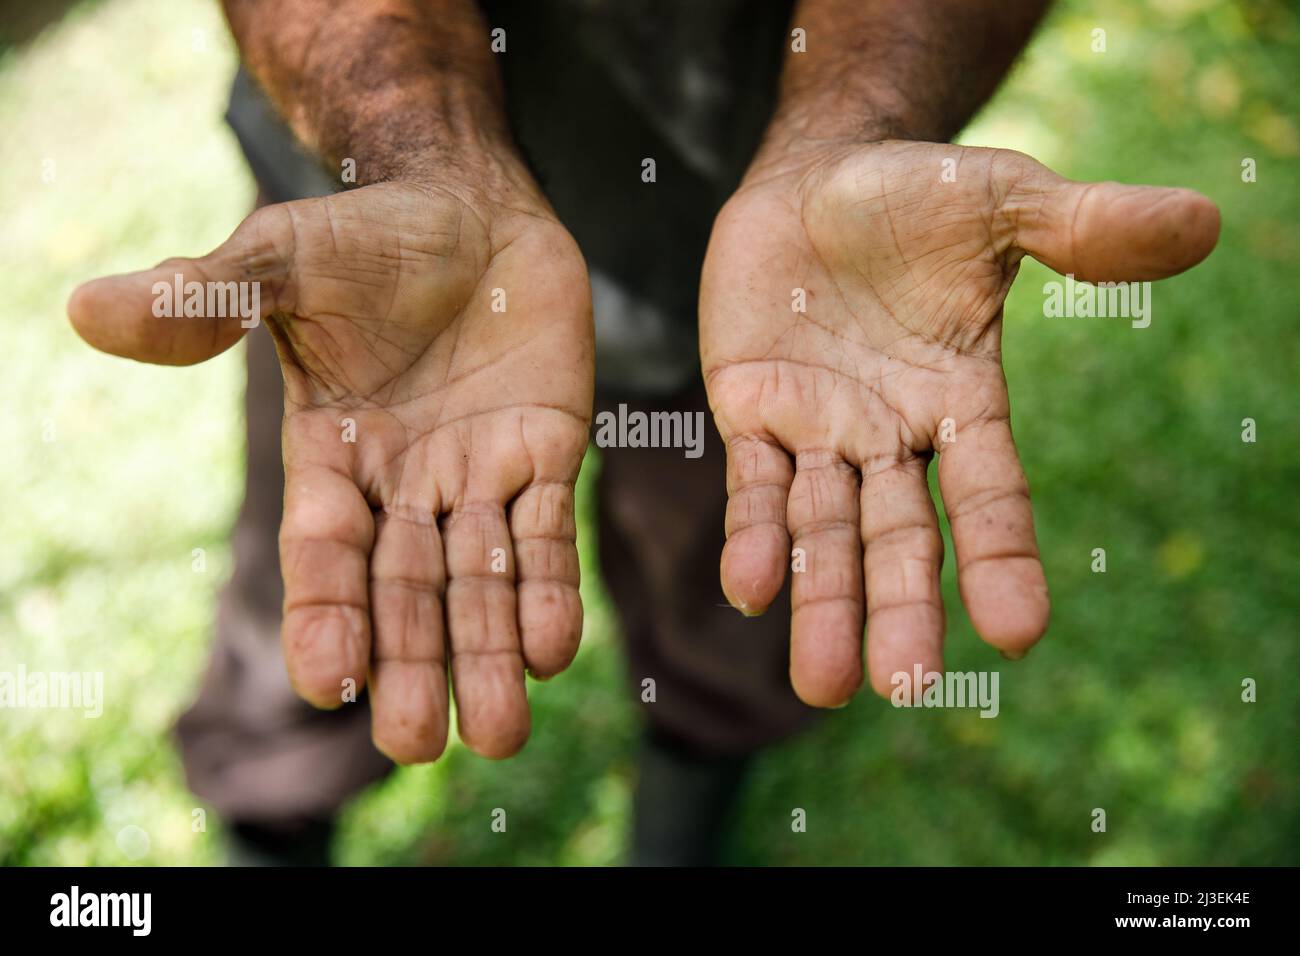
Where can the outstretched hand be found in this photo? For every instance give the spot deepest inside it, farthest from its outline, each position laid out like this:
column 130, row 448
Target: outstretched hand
column 832, row 414
column 438, row 360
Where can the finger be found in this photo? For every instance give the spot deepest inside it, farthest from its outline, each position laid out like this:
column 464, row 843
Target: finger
column 544, row 532
column 184, row 311
column 487, row 667
column 826, row 622
column 408, row 676
column 759, row 473
column 1104, row 232
column 998, row 571
column 325, row 541
column 903, row 556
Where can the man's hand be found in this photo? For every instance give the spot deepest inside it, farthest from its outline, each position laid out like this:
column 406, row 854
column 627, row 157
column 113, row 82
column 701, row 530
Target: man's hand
column 437, row 356
column 831, row 415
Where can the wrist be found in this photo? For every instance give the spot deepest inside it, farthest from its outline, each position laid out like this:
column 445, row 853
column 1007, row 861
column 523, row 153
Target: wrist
column 478, row 169
column 449, row 139
column 807, row 132
column 395, row 90
column 420, row 127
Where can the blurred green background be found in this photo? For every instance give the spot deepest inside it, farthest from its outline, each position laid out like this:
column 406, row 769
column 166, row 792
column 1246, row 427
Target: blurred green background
column 114, row 156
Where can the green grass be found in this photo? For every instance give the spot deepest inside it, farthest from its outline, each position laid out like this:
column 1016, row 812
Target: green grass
column 1131, row 440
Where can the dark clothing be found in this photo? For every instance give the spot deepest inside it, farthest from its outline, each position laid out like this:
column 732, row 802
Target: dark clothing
column 593, row 88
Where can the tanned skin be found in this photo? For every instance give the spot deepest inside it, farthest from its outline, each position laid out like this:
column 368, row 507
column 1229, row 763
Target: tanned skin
column 471, row 424
column 831, row 416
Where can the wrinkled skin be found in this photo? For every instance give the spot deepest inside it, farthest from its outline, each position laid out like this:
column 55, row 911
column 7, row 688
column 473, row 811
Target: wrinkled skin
column 469, row 427
column 831, row 415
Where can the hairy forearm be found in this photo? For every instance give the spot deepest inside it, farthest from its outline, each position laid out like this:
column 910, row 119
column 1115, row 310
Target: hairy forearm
column 900, row 69
column 408, row 89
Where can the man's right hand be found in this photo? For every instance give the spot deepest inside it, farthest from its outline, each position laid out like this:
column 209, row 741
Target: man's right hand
column 437, row 352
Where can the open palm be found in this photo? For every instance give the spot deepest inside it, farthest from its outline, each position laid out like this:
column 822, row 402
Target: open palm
column 851, row 318
column 437, row 358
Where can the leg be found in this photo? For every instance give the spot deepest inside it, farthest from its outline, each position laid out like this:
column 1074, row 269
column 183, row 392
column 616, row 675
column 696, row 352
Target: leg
column 722, row 685
column 270, row 764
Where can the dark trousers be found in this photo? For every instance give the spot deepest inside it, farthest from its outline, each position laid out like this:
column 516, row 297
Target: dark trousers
column 255, row 752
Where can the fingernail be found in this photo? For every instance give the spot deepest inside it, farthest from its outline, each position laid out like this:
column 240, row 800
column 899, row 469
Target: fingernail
column 1015, row 655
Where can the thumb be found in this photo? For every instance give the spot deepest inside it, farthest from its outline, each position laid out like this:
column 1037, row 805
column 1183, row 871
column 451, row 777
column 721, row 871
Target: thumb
column 185, row 311
column 1105, row 232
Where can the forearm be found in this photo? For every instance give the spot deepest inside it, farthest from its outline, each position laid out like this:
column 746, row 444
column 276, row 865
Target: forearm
column 894, row 69
column 408, row 89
